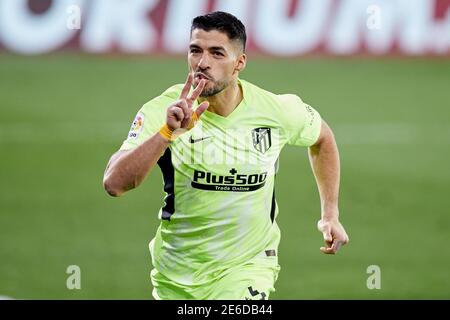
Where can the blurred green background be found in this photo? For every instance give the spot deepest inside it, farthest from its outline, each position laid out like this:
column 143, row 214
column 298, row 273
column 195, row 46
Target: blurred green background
column 63, row 115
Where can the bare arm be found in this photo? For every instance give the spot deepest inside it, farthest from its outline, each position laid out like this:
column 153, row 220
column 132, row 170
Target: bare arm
column 324, row 159
column 127, row 169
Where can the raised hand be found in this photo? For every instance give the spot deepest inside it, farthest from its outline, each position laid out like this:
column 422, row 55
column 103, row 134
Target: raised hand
column 180, row 114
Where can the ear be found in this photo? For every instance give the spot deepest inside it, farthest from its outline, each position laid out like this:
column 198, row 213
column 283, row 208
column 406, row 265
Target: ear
column 241, row 63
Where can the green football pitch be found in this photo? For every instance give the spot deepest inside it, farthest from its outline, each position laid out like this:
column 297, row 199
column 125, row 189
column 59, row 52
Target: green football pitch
column 62, row 116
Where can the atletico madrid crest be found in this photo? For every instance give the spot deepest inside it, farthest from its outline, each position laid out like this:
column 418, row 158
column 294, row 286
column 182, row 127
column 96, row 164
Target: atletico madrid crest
column 262, row 139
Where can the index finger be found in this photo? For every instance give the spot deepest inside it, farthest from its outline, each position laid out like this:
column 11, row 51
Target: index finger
column 187, row 86
column 336, row 246
column 197, row 90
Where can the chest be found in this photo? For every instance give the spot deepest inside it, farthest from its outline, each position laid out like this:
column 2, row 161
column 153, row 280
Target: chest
column 217, row 152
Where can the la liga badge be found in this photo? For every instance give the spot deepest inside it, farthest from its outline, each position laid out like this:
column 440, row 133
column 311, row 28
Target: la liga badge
column 136, row 126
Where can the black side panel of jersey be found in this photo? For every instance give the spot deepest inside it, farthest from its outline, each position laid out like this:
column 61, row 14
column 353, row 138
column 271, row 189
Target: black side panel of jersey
column 274, row 204
column 165, row 164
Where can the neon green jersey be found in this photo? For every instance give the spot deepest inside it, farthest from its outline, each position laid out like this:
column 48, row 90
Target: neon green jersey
column 220, row 207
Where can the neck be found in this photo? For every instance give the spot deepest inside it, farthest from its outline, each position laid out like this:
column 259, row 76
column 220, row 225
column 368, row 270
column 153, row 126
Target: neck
column 226, row 101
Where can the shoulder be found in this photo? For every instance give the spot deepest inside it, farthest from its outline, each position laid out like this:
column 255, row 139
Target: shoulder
column 257, row 93
column 273, row 102
column 292, row 103
column 161, row 102
column 173, row 92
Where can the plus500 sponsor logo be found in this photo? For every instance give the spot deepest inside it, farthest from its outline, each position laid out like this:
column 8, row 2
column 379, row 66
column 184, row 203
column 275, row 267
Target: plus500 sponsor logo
column 234, row 182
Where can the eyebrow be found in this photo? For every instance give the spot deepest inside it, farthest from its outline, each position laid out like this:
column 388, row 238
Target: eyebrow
column 216, row 48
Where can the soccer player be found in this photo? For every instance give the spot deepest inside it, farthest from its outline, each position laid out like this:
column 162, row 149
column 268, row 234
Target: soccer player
column 217, row 139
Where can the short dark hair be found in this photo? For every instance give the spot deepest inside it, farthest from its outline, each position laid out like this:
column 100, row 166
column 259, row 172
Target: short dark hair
column 223, row 22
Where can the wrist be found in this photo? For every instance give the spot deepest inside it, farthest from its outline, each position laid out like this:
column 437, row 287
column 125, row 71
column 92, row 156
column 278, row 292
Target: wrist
column 167, row 133
column 330, row 214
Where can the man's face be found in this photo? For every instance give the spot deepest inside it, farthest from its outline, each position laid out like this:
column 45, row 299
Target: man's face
column 214, row 57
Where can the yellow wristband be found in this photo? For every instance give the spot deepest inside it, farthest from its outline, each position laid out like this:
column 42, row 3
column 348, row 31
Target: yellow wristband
column 166, row 132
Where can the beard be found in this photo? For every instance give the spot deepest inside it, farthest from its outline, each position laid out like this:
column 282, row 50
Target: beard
column 215, row 89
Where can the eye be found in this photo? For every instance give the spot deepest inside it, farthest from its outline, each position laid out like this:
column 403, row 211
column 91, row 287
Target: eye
column 194, row 50
column 218, row 54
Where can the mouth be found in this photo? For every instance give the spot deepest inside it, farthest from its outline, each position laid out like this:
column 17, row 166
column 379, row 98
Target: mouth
column 199, row 76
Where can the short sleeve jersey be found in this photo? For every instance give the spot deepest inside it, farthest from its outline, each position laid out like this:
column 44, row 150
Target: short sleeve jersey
column 219, row 178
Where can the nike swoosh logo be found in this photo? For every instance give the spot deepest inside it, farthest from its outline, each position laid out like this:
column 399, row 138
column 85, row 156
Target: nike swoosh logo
column 192, row 140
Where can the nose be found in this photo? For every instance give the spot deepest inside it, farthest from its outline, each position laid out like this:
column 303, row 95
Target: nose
column 203, row 63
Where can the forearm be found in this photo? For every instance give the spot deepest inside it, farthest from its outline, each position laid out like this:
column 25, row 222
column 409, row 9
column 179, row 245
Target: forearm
column 129, row 169
column 324, row 159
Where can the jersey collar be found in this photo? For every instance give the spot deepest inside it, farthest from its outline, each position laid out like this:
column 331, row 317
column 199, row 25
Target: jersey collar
column 242, row 106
